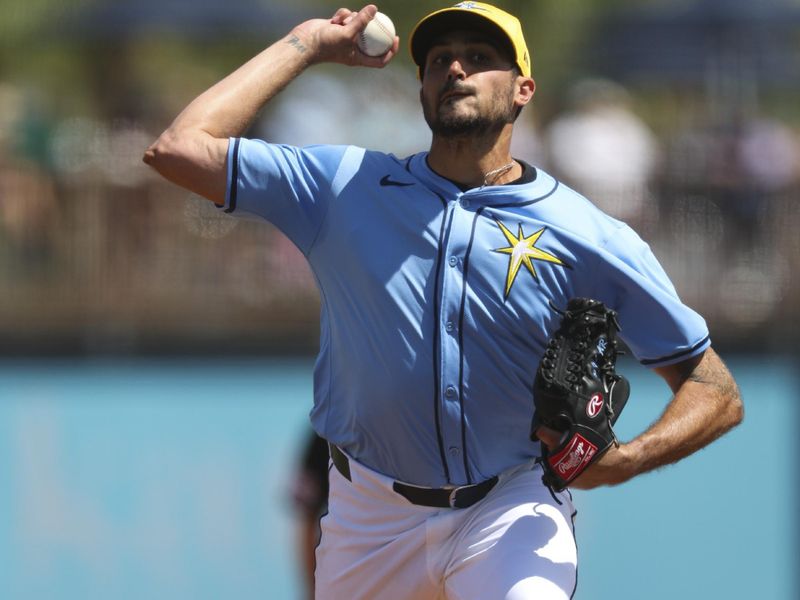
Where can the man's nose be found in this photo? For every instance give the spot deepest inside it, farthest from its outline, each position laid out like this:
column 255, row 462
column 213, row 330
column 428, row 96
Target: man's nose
column 456, row 71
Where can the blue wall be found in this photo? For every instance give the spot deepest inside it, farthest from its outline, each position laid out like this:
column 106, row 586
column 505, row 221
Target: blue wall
column 720, row 524
column 170, row 480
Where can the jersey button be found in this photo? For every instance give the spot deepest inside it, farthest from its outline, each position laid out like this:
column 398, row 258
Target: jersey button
column 449, row 326
column 453, row 261
column 454, row 450
column 464, row 203
column 450, row 391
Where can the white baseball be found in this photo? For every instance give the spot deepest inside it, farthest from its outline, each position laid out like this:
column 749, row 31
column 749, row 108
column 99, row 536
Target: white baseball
column 378, row 37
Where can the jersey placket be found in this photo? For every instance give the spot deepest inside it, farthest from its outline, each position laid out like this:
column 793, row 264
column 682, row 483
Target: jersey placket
column 454, row 247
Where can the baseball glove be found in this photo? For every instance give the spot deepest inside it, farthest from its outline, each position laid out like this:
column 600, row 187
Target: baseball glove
column 577, row 390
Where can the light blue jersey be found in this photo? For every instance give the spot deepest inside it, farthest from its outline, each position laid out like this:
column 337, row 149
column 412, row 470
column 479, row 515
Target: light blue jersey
column 435, row 301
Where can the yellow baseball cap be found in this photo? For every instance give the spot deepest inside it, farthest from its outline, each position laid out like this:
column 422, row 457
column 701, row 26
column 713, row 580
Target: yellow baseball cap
column 470, row 15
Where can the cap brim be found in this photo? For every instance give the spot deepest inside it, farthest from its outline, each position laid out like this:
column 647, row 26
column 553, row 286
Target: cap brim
column 453, row 19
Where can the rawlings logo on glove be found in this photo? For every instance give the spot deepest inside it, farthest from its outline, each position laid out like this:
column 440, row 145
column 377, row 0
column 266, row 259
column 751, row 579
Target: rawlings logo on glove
column 577, row 391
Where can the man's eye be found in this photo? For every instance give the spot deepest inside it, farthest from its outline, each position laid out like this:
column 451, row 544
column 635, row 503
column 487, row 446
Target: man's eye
column 479, row 58
column 441, row 59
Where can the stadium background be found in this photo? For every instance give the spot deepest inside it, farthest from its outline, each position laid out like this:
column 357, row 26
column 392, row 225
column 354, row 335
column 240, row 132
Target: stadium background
column 156, row 362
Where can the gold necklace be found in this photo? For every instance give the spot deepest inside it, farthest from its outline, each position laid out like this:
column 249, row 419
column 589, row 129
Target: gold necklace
column 496, row 173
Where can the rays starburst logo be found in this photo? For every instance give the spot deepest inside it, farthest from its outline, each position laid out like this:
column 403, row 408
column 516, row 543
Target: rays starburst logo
column 522, row 250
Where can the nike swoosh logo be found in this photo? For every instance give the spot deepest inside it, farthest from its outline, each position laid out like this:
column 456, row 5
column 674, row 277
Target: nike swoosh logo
column 385, row 182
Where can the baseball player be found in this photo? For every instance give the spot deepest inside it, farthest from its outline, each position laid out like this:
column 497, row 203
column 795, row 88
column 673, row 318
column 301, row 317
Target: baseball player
column 436, row 275
column 309, row 495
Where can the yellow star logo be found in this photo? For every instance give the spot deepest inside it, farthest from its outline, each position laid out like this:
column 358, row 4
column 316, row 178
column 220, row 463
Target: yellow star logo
column 522, row 250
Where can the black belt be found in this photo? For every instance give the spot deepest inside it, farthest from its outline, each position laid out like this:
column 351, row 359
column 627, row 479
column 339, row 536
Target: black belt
column 456, row 497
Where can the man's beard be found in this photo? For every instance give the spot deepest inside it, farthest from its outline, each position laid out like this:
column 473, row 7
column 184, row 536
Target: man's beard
column 475, row 124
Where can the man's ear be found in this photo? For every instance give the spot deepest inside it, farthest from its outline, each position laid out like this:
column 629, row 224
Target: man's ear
column 526, row 87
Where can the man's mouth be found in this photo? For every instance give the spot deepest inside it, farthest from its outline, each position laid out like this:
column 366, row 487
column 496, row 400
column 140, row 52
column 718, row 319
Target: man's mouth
column 454, row 95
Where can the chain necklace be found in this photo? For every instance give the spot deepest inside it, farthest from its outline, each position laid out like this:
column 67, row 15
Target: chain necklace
column 496, row 173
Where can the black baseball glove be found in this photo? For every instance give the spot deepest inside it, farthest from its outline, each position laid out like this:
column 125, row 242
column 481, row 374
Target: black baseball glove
column 577, row 390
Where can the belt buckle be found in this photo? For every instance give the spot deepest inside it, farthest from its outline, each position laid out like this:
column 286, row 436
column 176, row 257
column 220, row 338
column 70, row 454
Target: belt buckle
column 453, row 497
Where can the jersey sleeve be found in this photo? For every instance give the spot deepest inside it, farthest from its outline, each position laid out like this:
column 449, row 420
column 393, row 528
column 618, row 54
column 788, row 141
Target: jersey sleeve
column 655, row 324
column 288, row 186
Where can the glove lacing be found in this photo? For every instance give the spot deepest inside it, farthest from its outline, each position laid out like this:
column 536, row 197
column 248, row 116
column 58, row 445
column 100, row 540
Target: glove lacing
column 576, row 357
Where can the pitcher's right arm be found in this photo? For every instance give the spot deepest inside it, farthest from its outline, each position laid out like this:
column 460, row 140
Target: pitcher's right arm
column 192, row 152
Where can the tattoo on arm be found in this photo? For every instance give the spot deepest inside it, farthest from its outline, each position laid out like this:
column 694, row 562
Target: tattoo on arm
column 698, row 413
column 714, row 374
column 296, row 43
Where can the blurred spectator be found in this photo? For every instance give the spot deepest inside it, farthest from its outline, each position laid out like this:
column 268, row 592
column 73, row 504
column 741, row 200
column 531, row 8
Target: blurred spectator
column 310, row 498
column 770, row 154
column 728, row 192
column 27, row 192
column 741, row 165
column 603, row 150
column 765, row 155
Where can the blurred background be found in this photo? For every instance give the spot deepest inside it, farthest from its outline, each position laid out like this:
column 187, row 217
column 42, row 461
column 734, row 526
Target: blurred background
column 156, row 362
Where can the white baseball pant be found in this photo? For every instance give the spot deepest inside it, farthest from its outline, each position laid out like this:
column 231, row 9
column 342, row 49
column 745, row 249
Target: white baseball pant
column 517, row 543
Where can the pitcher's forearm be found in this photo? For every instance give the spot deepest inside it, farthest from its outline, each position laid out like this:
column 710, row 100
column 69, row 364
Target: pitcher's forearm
column 706, row 405
column 192, row 152
column 229, row 107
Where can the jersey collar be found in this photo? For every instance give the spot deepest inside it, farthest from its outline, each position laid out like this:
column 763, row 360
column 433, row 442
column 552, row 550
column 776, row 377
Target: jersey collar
column 490, row 195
